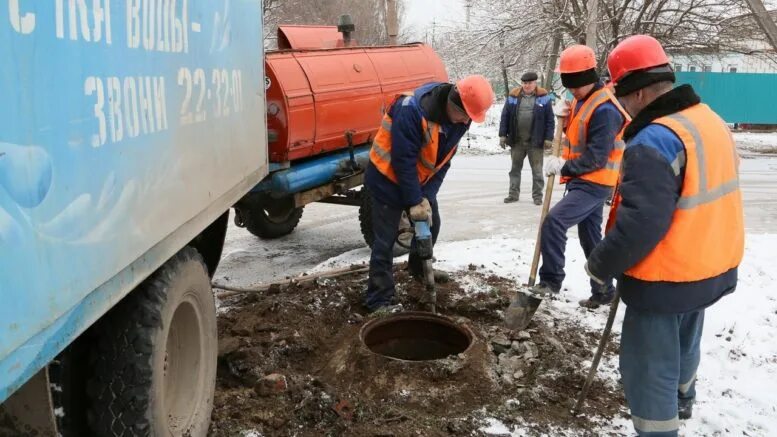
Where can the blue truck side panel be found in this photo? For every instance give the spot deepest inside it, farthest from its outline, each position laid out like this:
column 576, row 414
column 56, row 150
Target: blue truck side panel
column 736, row 97
column 125, row 129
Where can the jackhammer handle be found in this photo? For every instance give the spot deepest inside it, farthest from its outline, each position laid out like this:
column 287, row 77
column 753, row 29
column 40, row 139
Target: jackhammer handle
column 556, row 151
column 423, row 239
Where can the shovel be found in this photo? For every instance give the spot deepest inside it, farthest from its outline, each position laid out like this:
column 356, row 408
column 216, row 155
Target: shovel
column 522, row 308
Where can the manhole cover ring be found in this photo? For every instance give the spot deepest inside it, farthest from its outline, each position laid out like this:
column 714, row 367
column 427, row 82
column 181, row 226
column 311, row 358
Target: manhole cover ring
column 416, row 337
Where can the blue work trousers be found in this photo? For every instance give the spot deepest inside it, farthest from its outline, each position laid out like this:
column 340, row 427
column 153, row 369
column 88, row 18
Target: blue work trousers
column 582, row 207
column 659, row 356
column 385, row 225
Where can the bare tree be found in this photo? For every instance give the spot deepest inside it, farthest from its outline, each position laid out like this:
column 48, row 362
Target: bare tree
column 526, row 31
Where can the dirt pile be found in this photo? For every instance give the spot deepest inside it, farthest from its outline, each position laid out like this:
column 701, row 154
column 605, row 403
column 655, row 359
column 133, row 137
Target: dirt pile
column 291, row 363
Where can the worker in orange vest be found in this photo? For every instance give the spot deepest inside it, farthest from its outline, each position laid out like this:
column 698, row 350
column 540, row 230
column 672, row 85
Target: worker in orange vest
column 409, row 159
column 589, row 168
column 678, row 235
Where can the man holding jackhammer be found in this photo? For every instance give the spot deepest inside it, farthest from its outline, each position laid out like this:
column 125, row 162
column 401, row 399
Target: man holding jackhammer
column 410, row 156
column 678, row 235
column 589, row 167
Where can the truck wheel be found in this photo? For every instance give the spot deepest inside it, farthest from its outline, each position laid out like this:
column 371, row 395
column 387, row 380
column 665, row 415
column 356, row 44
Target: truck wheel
column 269, row 218
column 155, row 356
column 68, row 377
column 365, row 223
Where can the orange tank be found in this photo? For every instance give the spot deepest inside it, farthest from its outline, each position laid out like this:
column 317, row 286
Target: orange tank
column 315, row 96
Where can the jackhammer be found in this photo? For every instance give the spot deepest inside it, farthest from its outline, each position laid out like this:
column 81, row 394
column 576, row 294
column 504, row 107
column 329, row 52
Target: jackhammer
column 424, row 247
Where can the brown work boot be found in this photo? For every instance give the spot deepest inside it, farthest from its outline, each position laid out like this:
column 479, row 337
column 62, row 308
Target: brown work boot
column 544, row 289
column 596, row 300
column 386, row 310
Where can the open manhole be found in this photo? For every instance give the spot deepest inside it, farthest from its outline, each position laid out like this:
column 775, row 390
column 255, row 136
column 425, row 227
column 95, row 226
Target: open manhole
column 415, row 336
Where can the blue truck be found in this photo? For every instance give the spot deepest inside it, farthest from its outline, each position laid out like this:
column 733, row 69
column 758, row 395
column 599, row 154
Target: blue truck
column 127, row 131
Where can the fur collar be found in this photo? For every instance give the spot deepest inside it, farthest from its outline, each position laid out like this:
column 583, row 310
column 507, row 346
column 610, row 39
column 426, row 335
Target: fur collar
column 518, row 92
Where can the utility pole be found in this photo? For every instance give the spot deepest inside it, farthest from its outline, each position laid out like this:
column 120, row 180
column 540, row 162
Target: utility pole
column 764, row 21
column 469, row 8
column 434, row 29
column 392, row 22
column 593, row 20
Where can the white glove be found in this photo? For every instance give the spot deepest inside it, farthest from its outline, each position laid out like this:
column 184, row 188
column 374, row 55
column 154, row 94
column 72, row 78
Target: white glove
column 421, row 212
column 553, row 165
column 563, row 109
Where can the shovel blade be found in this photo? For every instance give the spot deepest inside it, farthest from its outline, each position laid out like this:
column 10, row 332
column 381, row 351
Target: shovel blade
column 521, row 310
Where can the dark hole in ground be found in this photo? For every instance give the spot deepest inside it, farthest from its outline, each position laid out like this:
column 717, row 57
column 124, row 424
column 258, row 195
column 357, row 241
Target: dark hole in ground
column 415, row 337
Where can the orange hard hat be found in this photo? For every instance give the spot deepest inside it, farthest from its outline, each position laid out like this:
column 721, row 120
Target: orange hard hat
column 476, row 96
column 635, row 53
column 576, row 59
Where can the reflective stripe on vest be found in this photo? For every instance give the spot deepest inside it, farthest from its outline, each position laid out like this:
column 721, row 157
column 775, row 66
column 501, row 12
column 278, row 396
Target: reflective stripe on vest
column 577, row 138
column 380, row 153
column 706, row 236
column 704, row 195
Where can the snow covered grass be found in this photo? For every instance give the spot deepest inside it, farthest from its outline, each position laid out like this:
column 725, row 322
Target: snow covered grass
column 757, row 142
column 737, row 377
column 483, row 138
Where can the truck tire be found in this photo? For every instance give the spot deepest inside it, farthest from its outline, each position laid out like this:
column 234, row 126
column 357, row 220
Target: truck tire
column 365, row 223
column 269, row 218
column 154, row 361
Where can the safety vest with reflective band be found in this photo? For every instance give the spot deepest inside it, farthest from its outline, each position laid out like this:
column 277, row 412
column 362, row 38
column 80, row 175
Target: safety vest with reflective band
column 380, row 154
column 706, row 237
column 577, row 138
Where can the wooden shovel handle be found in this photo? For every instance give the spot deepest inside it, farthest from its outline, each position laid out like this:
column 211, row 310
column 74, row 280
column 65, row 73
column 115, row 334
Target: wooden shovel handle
column 556, row 151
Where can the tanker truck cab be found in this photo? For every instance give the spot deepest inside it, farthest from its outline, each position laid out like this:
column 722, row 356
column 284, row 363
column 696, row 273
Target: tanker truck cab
column 326, row 97
column 124, row 140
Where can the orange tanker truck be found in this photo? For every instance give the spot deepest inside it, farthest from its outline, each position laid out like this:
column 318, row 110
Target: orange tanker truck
column 326, row 97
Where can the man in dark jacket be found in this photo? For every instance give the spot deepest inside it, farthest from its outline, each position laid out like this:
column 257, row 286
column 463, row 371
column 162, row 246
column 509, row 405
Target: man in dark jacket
column 678, row 234
column 526, row 126
column 409, row 159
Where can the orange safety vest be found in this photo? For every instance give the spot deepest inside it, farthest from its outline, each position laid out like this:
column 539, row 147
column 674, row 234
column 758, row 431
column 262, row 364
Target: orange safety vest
column 706, row 237
column 380, row 154
column 577, row 137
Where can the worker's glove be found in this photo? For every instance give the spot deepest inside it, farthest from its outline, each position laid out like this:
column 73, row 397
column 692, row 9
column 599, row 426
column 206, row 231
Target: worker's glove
column 548, row 145
column 591, row 275
column 503, row 142
column 553, row 165
column 421, row 212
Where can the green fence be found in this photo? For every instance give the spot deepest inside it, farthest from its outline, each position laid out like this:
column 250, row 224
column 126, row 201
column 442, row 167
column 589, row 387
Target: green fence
column 737, row 97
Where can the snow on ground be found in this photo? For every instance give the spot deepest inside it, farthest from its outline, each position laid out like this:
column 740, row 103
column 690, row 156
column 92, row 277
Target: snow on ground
column 756, row 142
column 737, row 382
column 483, row 139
